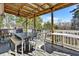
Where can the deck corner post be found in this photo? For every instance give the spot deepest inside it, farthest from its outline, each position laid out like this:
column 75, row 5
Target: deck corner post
column 52, row 27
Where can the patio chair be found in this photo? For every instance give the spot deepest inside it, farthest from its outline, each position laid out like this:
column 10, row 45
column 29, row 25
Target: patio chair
column 15, row 42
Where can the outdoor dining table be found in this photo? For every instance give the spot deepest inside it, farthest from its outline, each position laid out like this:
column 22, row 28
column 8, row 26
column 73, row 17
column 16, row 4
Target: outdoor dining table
column 23, row 37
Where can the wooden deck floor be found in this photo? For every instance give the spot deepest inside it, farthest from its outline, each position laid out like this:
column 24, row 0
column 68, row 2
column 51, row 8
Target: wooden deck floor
column 51, row 48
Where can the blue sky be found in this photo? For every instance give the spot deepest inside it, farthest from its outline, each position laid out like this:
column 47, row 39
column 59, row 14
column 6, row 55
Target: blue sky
column 62, row 15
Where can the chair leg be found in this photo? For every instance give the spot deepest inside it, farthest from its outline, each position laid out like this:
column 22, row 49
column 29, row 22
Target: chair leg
column 16, row 50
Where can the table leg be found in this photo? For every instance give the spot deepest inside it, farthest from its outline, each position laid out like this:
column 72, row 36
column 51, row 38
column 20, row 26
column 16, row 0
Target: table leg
column 29, row 47
column 22, row 46
column 45, row 42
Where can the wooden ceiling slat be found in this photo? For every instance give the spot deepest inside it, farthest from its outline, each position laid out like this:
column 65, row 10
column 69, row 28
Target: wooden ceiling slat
column 10, row 8
column 11, row 12
column 29, row 5
column 24, row 15
column 61, row 5
column 14, row 7
column 40, row 13
column 38, row 6
column 14, row 4
column 42, row 5
column 54, row 8
column 20, row 8
column 16, row 13
column 25, row 11
column 11, row 5
column 49, row 4
column 31, row 11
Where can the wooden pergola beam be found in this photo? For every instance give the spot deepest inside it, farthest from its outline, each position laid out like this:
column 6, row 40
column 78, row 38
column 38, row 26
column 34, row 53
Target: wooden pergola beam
column 52, row 27
column 29, row 5
column 34, row 22
column 10, row 6
column 14, row 10
column 11, row 11
column 39, row 6
column 54, row 8
column 21, row 6
column 26, row 12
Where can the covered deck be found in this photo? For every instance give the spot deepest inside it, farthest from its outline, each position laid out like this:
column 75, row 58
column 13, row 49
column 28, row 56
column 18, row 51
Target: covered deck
column 61, row 43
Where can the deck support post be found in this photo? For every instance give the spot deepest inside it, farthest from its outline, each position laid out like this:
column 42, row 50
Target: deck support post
column 26, row 24
column 35, row 31
column 52, row 27
column 34, row 22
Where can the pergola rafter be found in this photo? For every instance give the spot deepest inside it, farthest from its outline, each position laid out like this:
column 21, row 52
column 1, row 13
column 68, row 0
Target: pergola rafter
column 38, row 5
column 31, row 6
column 28, row 10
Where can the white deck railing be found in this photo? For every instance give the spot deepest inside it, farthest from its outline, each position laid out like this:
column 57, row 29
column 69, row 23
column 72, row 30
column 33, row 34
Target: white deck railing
column 66, row 38
column 76, row 32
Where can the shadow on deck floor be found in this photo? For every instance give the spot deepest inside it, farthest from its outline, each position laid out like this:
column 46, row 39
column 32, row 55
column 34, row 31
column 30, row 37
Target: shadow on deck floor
column 50, row 48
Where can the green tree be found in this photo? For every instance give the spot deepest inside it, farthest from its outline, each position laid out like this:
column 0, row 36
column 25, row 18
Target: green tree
column 9, row 20
column 47, row 26
column 75, row 19
column 1, row 23
column 20, row 20
column 38, row 23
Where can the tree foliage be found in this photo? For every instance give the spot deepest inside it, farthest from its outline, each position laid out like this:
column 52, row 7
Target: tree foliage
column 38, row 22
column 1, row 23
column 48, row 26
column 20, row 20
column 75, row 20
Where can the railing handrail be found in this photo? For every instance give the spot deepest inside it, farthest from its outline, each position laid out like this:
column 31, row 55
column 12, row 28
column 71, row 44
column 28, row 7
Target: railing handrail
column 68, row 30
column 65, row 39
column 63, row 34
